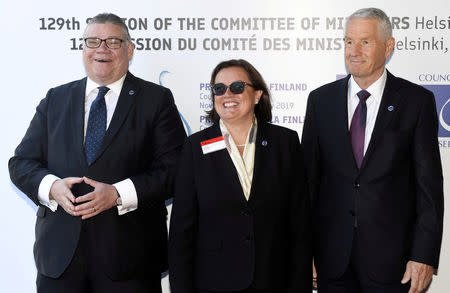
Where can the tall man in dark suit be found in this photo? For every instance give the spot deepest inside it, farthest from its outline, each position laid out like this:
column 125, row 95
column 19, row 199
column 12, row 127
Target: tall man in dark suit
column 98, row 158
column 374, row 169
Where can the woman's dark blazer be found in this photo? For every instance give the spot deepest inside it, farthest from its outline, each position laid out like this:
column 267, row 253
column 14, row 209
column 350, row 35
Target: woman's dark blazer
column 219, row 241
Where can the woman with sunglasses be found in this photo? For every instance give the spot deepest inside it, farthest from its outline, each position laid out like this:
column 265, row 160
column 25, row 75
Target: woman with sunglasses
column 240, row 218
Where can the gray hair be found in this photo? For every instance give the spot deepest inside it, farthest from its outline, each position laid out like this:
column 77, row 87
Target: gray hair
column 385, row 26
column 103, row 18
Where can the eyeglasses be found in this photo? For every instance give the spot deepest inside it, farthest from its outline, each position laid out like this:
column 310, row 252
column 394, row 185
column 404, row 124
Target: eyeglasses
column 112, row 43
column 236, row 87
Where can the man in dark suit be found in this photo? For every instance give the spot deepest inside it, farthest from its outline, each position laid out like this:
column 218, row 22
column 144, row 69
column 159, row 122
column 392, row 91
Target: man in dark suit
column 98, row 158
column 374, row 170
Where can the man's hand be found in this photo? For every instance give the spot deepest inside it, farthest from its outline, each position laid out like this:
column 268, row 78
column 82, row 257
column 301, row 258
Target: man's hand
column 101, row 199
column 420, row 275
column 61, row 193
column 314, row 277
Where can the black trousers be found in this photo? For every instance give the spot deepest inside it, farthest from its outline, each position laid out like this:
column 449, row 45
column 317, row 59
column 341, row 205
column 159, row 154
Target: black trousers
column 84, row 275
column 356, row 280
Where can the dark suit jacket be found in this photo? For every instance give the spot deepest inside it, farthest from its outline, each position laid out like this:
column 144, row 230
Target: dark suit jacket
column 142, row 143
column 219, row 241
column 396, row 196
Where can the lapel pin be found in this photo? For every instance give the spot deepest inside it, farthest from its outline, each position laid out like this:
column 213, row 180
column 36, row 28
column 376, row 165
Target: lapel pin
column 264, row 143
column 131, row 92
column 391, row 108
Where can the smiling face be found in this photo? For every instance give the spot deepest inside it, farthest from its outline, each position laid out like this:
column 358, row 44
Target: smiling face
column 103, row 65
column 366, row 50
column 233, row 108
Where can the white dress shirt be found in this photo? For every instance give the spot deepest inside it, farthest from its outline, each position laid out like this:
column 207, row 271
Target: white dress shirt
column 373, row 104
column 244, row 164
column 126, row 187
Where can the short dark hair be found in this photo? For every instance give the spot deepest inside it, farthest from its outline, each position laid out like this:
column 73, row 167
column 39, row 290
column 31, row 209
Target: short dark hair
column 263, row 110
column 103, row 18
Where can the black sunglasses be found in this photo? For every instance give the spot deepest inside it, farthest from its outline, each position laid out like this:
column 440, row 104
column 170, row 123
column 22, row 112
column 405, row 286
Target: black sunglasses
column 236, row 88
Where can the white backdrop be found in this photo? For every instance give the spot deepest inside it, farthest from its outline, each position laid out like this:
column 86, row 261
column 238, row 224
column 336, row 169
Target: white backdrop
column 296, row 45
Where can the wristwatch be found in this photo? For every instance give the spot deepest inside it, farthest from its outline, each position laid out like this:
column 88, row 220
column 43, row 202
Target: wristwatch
column 118, row 200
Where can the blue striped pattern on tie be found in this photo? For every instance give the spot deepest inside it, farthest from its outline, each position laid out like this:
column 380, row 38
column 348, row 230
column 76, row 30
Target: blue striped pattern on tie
column 96, row 127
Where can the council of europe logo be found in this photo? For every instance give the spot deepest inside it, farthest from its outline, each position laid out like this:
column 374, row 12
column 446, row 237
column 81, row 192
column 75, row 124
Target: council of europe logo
column 186, row 124
column 442, row 96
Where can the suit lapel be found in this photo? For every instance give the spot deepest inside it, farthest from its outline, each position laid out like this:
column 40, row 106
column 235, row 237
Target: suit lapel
column 77, row 110
column 384, row 116
column 341, row 111
column 126, row 99
column 224, row 163
column 261, row 148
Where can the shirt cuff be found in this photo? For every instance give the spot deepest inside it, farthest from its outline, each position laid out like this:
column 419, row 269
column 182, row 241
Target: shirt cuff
column 128, row 194
column 44, row 192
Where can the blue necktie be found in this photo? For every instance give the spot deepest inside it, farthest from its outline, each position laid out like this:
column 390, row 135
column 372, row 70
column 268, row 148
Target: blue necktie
column 358, row 127
column 96, row 127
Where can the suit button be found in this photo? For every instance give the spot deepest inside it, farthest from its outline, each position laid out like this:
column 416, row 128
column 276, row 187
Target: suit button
column 247, row 239
column 356, row 185
column 352, row 213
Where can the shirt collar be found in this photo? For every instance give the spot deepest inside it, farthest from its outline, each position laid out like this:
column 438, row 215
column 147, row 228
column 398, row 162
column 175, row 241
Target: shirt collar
column 116, row 86
column 375, row 89
column 251, row 136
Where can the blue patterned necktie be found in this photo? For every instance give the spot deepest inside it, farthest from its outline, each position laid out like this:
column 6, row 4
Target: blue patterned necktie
column 358, row 127
column 96, row 127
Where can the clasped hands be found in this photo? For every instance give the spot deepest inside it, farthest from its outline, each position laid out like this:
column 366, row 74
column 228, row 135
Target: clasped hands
column 102, row 198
